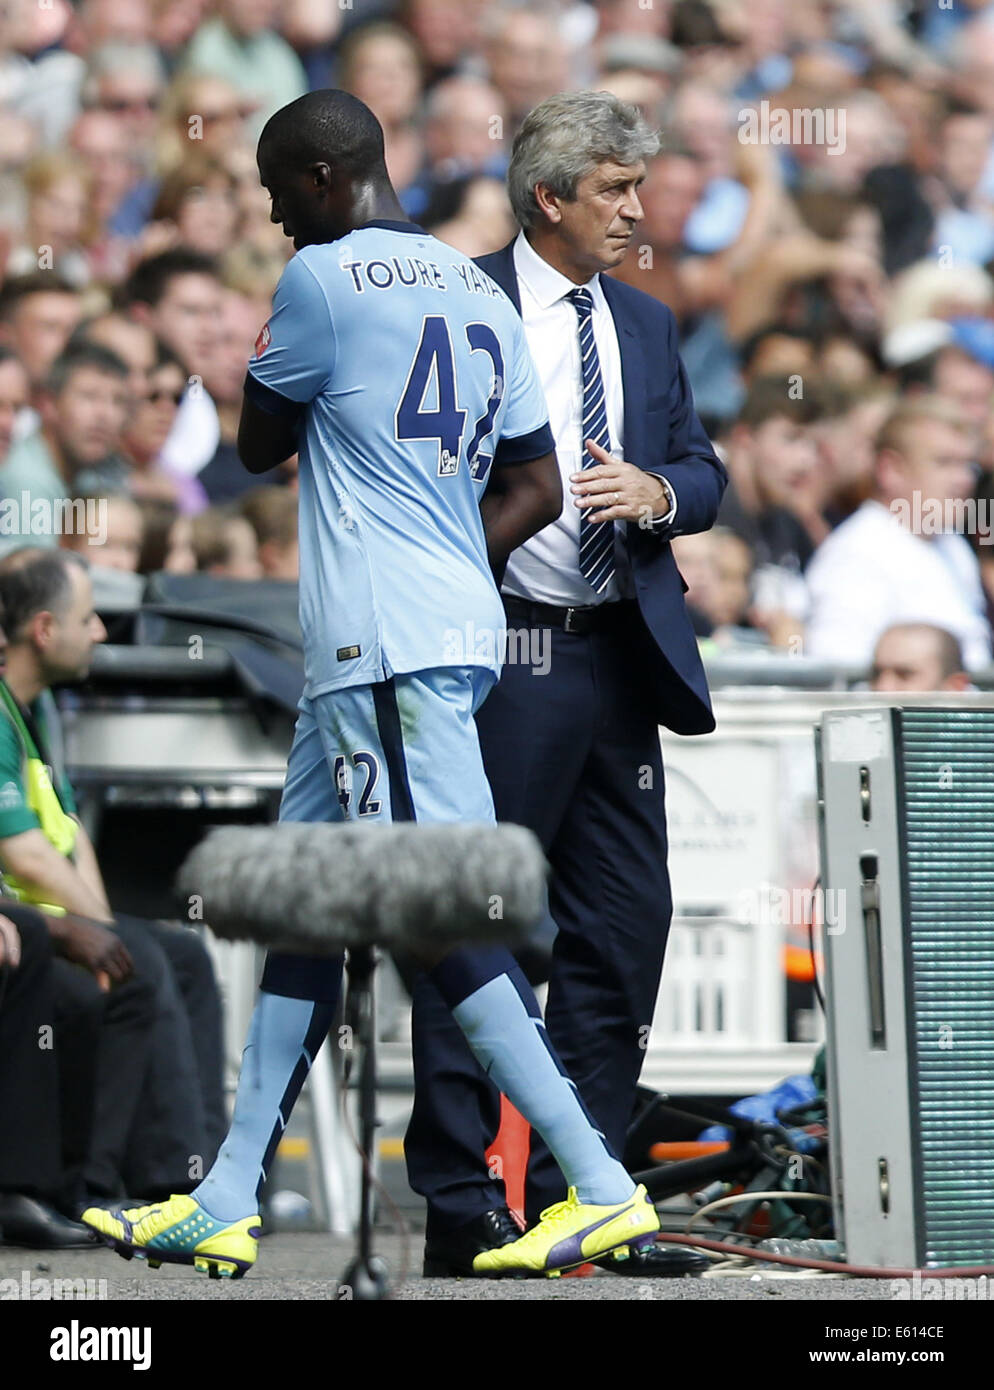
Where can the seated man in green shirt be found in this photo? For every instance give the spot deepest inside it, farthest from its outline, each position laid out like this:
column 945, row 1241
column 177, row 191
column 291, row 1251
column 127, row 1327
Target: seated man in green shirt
column 164, row 1124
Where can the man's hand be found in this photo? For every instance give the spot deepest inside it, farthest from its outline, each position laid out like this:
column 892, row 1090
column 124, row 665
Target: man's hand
column 10, row 944
column 93, row 946
column 613, row 490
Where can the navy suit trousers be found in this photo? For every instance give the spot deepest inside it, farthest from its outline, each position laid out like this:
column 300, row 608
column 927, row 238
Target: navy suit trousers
column 572, row 752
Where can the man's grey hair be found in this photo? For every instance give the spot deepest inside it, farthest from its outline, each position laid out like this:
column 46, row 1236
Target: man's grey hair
column 565, row 138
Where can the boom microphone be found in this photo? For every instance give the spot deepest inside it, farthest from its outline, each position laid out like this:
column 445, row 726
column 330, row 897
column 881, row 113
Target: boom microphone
column 317, row 889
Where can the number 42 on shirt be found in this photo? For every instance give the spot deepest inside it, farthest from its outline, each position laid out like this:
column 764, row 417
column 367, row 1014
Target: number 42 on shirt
column 434, row 363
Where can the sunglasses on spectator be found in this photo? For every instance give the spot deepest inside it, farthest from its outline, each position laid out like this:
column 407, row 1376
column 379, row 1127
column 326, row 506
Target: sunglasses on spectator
column 118, row 105
column 226, row 113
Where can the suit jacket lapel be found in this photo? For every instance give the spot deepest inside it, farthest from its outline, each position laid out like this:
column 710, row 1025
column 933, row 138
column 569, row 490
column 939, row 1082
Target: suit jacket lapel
column 633, row 377
column 500, row 267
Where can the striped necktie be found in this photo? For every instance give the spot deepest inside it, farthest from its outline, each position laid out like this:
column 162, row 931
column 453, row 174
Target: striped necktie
column 596, row 537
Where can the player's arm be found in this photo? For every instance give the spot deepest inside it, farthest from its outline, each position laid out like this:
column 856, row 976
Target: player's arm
column 293, row 360
column 521, row 499
column 265, row 440
column 525, row 491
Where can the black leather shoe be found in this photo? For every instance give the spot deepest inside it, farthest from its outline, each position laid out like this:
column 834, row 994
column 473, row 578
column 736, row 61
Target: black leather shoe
column 450, row 1256
column 33, row 1224
column 75, row 1211
column 664, row 1261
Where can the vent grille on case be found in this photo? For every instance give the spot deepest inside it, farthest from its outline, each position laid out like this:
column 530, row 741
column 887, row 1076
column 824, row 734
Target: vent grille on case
column 948, row 762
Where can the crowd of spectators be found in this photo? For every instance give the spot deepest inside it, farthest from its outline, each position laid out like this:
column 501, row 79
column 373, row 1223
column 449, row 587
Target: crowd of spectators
column 819, row 219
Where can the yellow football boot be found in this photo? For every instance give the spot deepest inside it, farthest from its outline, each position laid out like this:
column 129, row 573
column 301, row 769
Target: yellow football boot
column 571, row 1233
column 179, row 1231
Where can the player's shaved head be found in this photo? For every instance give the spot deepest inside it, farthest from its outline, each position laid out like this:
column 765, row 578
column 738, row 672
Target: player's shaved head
column 325, row 127
column 321, row 160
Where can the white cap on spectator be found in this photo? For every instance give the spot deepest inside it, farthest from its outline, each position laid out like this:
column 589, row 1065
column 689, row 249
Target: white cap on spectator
column 913, row 341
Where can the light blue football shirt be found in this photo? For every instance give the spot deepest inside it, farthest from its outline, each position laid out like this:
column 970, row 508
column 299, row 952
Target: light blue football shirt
column 410, row 373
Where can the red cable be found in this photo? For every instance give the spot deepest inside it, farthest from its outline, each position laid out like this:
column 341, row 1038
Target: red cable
column 832, row 1266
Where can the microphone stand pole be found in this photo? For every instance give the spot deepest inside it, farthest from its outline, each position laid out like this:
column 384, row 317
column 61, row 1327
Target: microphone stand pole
column 366, row 1276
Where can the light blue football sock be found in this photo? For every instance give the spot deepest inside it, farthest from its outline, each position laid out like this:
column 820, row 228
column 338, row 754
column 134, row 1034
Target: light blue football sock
column 509, row 1041
column 283, row 1040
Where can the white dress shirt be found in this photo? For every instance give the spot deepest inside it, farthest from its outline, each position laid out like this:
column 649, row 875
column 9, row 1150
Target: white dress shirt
column 872, row 572
column 546, row 569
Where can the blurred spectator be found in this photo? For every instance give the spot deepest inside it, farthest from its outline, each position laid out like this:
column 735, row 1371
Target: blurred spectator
column 202, row 114
column 917, row 656
column 622, row 17
column 444, row 30
column 255, row 263
column 174, row 23
column 782, row 350
column 847, row 363
column 117, row 543
column 224, row 544
column 772, row 500
column 311, row 27
column 734, row 563
column 167, row 542
column 225, row 477
column 240, row 44
column 133, row 342
column 37, row 315
column 13, row 397
column 96, row 22
column 272, row 514
column 113, row 171
column 83, row 408
column 846, row 437
column 149, row 426
column 196, row 207
column 39, row 79
column 899, row 558
column 473, row 214
column 638, row 69
column 717, row 566
column 380, row 65
column 701, row 119
column 962, row 371
column 527, row 59
column 964, row 211
column 127, row 80
column 674, row 181
column 464, row 134
column 178, row 295
column 697, row 561
column 58, row 198
column 828, row 272
column 981, row 537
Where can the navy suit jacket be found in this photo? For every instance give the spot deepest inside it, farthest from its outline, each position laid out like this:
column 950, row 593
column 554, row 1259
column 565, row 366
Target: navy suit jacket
column 662, row 435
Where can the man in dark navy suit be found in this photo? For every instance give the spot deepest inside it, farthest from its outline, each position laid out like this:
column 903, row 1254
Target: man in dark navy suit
column 600, row 653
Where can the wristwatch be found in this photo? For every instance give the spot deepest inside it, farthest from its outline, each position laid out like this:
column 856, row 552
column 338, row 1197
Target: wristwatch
column 670, row 498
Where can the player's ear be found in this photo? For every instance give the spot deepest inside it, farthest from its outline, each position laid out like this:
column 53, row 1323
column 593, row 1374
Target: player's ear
column 321, row 176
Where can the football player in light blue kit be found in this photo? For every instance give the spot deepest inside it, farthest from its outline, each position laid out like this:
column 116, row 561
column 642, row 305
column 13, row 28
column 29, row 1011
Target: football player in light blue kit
column 400, row 374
